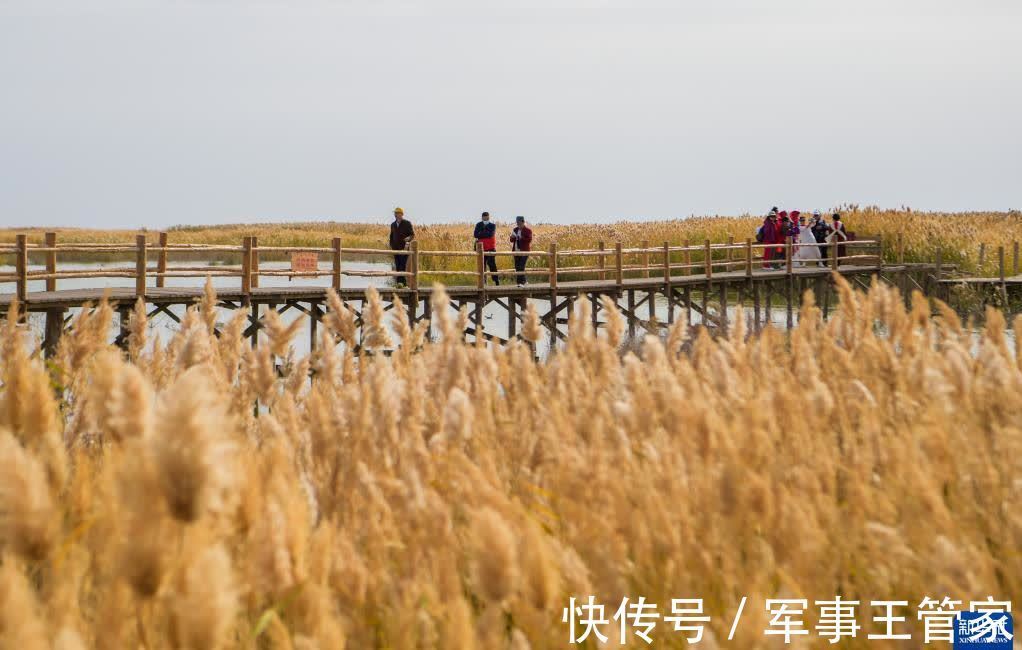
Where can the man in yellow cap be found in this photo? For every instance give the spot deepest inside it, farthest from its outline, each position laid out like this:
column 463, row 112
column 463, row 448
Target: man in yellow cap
column 401, row 234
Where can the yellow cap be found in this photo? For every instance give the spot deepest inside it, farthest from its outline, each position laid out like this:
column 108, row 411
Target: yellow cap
column 398, row 211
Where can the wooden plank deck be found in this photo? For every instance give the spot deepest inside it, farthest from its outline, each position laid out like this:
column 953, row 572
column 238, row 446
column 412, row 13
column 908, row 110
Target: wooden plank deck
column 71, row 298
column 1011, row 280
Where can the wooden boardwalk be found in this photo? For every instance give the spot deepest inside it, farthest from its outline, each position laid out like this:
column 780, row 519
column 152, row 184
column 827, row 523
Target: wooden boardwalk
column 700, row 280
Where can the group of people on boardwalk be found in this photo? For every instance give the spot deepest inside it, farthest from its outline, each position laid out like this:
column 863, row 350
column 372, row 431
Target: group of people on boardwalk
column 811, row 238
column 402, row 233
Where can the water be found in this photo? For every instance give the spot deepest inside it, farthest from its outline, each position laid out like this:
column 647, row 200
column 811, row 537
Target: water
column 494, row 316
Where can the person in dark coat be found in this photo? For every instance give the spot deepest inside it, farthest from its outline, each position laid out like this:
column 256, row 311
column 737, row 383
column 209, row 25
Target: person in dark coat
column 486, row 234
column 769, row 235
column 820, row 232
column 521, row 240
column 783, row 232
column 401, row 234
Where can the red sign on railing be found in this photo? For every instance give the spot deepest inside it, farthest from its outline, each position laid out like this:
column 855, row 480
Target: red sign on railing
column 304, row 262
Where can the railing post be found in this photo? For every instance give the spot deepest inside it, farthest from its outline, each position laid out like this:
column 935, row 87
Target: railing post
column 51, row 261
column 901, row 250
column 708, row 261
column 140, row 266
column 603, row 263
column 1000, row 263
column 748, row 258
column 335, row 274
column 413, row 258
column 667, row 262
column 161, row 260
column 480, row 266
column 730, row 243
column 246, row 266
column 833, row 251
column 645, row 258
column 688, row 258
column 982, row 256
column 254, row 264
column 939, row 261
column 552, row 261
column 787, row 254
column 21, row 268
column 619, row 272
column 1014, row 259
column 880, row 252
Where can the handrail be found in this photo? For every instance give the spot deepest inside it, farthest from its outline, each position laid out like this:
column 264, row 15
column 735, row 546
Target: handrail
column 614, row 263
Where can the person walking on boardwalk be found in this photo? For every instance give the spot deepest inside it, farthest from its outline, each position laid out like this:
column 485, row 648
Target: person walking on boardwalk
column 838, row 234
column 820, row 232
column 807, row 253
column 784, row 231
column 401, row 234
column 768, row 234
column 486, row 234
column 521, row 241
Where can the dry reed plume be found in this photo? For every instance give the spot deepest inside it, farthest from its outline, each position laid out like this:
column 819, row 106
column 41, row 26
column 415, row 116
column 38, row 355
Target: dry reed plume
column 202, row 494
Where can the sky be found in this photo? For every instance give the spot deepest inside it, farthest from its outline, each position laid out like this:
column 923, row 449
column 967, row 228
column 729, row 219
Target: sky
column 151, row 113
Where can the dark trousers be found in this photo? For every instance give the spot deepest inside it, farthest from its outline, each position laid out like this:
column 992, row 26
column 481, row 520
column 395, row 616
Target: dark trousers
column 520, row 261
column 400, row 265
column 491, row 263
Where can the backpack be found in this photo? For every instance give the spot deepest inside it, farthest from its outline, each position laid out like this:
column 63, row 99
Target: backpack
column 759, row 235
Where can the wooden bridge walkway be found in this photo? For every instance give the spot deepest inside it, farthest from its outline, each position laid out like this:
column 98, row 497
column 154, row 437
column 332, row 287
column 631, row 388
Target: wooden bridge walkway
column 701, row 280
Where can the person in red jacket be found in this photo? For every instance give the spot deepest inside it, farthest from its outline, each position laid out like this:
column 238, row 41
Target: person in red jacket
column 486, row 234
column 521, row 240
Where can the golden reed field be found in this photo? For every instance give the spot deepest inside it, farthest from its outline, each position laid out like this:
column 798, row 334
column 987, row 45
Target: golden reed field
column 957, row 234
column 186, row 494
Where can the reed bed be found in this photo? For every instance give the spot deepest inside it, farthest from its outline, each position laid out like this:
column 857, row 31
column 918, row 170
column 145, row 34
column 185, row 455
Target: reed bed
column 202, row 493
column 958, row 235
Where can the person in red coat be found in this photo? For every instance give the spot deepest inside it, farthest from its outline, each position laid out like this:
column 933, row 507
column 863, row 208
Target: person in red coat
column 521, row 240
column 486, row 234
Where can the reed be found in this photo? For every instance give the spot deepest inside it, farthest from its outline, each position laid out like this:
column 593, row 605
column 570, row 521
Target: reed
column 199, row 493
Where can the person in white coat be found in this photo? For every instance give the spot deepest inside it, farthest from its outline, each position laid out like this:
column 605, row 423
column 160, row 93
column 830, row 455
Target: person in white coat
column 807, row 252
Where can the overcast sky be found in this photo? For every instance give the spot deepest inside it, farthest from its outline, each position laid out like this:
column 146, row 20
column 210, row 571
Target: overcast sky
column 153, row 113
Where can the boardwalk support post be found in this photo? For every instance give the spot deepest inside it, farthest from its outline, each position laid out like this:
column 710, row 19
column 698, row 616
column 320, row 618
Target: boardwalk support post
column 51, row 261
column 246, row 267
column 335, row 274
column 161, row 261
column 21, row 270
column 254, row 264
column 413, row 282
column 140, row 266
column 1000, row 275
column 603, row 262
column 480, row 267
column 619, row 275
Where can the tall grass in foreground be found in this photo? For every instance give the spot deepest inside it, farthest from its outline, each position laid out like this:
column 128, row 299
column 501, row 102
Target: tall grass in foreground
column 453, row 496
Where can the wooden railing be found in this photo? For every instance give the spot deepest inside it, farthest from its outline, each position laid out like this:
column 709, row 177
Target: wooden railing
column 601, row 263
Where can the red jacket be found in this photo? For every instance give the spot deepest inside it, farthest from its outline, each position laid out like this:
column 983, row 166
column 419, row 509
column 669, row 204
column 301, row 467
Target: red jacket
column 486, row 232
column 524, row 240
